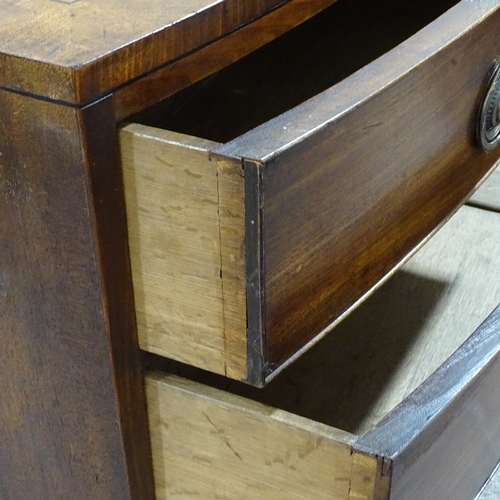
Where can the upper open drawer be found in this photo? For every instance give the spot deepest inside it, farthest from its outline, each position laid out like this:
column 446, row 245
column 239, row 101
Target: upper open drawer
column 363, row 415
column 246, row 250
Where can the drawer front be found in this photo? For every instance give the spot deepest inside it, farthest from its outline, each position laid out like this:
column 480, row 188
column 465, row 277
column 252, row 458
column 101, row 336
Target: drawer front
column 285, row 441
column 341, row 189
column 444, row 440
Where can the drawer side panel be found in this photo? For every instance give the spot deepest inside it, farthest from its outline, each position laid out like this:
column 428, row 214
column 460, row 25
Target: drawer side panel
column 212, row 445
column 172, row 195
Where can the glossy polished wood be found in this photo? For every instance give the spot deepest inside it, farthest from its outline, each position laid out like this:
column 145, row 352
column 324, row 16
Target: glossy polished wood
column 353, row 180
column 181, row 73
column 75, row 51
column 72, row 419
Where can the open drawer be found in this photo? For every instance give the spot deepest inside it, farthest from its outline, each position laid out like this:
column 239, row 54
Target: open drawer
column 254, row 228
column 363, row 414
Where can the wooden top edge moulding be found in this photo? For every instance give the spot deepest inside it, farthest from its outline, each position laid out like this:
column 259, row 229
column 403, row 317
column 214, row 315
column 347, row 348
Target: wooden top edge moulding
column 75, row 51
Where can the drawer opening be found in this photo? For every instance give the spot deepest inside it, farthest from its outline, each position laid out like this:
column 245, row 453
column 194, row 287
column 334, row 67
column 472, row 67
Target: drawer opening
column 293, row 68
column 370, row 362
column 311, row 424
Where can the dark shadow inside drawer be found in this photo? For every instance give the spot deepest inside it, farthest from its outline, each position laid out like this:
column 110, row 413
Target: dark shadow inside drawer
column 344, row 379
column 300, row 64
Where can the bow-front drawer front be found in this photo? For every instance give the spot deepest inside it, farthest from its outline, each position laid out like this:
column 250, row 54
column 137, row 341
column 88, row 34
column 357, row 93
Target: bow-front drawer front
column 257, row 222
column 381, row 409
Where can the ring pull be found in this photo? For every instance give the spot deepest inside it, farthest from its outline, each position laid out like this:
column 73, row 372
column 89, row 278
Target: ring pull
column 488, row 129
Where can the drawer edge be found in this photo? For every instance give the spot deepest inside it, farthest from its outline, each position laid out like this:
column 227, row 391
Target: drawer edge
column 449, row 424
column 290, row 129
column 253, row 450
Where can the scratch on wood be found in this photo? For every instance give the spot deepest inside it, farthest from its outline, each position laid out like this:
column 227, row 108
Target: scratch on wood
column 220, row 432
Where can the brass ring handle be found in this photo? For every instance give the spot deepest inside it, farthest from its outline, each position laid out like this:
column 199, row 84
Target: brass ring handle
column 488, row 130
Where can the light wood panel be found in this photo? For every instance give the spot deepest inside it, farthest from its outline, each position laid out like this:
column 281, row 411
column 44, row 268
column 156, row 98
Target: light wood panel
column 172, row 211
column 364, row 476
column 186, row 244
column 212, row 445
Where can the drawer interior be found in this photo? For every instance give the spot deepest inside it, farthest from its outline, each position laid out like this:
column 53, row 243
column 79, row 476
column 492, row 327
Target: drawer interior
column 298, row 65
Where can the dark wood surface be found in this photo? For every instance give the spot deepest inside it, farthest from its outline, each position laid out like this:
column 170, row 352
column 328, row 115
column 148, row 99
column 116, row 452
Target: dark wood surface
column 75, row 51
column 72, row 418
column 444, row 439
column 352, row 184
column 184, row 72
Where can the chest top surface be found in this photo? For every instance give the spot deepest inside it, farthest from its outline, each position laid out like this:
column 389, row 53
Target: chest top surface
column 76, row 50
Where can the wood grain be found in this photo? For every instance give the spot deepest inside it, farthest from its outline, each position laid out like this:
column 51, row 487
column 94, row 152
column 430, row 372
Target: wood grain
column 107, row 211
column 186, row 234
column 182, row 73
column 73, row 420
column 334, row 230
column 230, row 185
column 75, row 51
column 172, row 207
column 249, row 451
column 488, row 195
column 364, row 476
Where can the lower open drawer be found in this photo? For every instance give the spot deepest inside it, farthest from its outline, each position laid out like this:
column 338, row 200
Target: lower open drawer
column 391, row 405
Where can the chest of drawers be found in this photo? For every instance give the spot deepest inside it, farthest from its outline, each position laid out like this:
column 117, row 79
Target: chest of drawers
column 75, row 423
